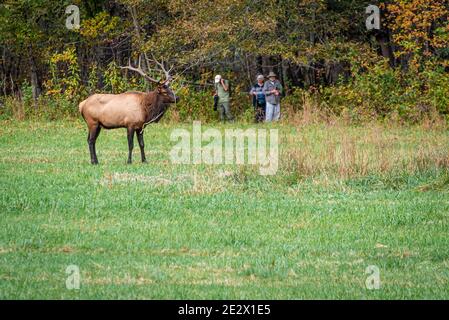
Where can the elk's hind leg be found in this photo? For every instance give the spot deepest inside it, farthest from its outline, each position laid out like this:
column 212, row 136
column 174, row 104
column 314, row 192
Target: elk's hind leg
column 94, row 131
column 139, row 133
column 130, row 144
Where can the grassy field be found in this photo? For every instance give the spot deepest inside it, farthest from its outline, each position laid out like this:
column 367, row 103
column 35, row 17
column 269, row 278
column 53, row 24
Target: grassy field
column 344, row 198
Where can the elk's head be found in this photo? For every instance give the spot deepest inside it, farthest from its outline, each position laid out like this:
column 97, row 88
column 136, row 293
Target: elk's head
column 163, row 86
column 166, row 93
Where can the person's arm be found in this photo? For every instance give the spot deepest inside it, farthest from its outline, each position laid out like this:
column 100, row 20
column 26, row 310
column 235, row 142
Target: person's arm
column 280, row 89
column 223, row 83
column 266, row 90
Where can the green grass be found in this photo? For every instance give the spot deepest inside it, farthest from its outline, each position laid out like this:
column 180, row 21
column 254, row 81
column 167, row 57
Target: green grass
column 169, row 231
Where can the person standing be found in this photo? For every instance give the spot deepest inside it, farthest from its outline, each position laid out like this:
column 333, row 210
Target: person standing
column 272, row 89
column 222, row 91
column 259, row 102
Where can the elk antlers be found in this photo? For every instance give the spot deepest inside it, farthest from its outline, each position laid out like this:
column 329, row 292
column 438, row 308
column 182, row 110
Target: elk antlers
column 140, row 71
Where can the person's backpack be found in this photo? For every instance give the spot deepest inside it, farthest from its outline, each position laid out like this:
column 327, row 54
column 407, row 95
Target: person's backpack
column 215, row 103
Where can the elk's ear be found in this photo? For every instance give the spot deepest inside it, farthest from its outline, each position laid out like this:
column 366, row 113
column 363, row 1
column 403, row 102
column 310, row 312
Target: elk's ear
column 164, row 83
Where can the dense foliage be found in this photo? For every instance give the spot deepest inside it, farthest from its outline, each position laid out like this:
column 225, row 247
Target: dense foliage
column 321, row 50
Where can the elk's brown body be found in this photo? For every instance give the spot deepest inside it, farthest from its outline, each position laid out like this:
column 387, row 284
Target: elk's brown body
column 131, row 110
column 126, row 110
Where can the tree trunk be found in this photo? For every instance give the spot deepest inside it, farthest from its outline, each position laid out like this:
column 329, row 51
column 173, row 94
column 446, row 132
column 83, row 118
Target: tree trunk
column 259, row 65
column 266, row 65
column 35, row 87
column 284, row 69
column 383, row 38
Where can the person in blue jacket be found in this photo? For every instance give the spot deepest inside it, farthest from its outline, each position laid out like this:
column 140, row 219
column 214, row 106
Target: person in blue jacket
column 259, row 101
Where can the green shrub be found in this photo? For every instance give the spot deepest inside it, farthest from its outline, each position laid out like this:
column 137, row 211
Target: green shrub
column 383, row 91
column 377, row 92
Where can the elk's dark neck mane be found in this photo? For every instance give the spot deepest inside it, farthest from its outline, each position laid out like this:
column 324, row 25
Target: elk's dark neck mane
column 153, row 106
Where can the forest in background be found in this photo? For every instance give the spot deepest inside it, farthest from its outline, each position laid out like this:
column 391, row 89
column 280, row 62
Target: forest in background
column 327, row 60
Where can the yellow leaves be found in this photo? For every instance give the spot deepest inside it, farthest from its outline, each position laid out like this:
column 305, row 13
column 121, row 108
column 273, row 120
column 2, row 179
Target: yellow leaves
column 99, row 26
column 413, row 23
column 65, row 73
column 53, row 92
column 68, row 56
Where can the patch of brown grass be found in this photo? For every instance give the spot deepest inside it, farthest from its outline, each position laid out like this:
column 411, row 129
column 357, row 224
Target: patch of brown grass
column 17, row 107
column 345, row 151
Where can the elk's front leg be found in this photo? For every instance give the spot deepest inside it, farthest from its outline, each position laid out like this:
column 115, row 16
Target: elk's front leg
column 130, row 144
column 139, row 133
column 92, row 136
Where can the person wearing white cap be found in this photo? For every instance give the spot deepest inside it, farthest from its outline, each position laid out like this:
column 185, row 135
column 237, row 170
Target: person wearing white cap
column 259, row 102
column 273, row 90
column 222, row 91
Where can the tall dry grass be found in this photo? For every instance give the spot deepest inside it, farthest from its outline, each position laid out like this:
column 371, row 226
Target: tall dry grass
column 331, row 146
column 16, row 107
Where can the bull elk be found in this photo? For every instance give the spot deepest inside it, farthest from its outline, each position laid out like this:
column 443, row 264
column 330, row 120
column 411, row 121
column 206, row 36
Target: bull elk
column 130, row 110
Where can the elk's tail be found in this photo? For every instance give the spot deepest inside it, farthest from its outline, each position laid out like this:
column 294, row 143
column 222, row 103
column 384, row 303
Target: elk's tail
column 81, row 105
